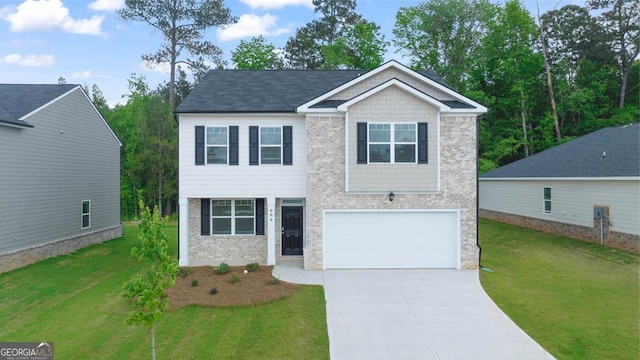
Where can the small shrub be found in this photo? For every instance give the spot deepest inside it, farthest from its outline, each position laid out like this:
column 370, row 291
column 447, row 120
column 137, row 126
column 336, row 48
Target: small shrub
column 194, row 282
column 253, row 267
column 274, row 281
column 234, row 279
column 184, row 272
column 213, row 291
column 222, row 269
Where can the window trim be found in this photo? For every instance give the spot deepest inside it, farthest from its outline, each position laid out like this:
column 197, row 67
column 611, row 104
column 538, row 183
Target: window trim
column 83, row 214
column 545, row 200
column 281, row 145
column 392, row 142
column 232, row 217
column 207, row 145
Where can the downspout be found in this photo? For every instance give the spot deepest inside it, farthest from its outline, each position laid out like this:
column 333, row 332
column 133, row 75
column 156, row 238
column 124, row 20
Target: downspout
column 175, row 117
column 478, row 194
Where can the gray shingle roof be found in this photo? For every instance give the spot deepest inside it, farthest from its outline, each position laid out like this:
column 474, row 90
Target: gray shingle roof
column 252, row 91
column 17, row 100
column 608, row 152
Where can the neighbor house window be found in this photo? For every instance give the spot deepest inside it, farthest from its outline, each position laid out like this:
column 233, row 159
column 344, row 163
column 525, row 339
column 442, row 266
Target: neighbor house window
column 217, row 145
column 232, row 217
column 86, row 214
column 547, row 200
column 270, row 145
column 392, row 143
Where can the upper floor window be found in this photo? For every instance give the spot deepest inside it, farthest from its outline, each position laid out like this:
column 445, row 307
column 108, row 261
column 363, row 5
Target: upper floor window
column 392, row 143
column 270, row 145
column 86, row 214
column 547, row 200
column 217, row 145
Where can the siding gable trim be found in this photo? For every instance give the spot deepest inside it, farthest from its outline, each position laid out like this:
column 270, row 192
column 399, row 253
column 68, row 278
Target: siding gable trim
column 400, row 85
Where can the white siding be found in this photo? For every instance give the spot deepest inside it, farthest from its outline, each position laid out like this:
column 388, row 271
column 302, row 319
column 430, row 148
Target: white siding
column 243, row 180
column 572, row 201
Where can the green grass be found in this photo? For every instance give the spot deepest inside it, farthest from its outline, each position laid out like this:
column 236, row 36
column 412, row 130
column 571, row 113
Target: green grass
column 577, row 300
column 75, row 301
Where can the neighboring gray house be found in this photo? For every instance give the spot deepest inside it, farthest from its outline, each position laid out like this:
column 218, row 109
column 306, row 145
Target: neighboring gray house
column 59, row 173
column 574, row 188
column 330, row 169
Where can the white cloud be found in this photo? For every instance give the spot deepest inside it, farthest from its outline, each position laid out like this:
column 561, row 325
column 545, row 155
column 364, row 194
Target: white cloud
column 251, row 25
column 164, row 68
column 47, row 15
column 276, row 4
column 30, row 60
column 81, row 74
column 106, row 5
column 26, row 43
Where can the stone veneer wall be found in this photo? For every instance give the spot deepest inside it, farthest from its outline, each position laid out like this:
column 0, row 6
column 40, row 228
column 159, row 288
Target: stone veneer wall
column 34, row 254
column 326, row 183
column 212, row 250
column 614, row 239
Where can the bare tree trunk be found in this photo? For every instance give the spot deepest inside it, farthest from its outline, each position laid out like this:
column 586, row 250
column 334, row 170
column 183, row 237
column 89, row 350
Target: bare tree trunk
column 552, row 99
column 523, row 116
column 153, row 342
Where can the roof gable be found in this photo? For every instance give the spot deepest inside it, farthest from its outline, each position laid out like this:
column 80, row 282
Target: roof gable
column 19, row 100
column 608, row 152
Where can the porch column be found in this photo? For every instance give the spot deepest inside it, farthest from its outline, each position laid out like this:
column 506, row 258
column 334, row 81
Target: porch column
column 183, row 236
column 271, row 231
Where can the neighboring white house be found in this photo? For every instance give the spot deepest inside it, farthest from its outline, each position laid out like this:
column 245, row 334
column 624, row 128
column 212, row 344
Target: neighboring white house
column 59, row 173
column 333, row 169
column 587, row 188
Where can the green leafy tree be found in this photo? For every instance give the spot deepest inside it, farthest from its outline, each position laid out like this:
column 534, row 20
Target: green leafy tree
column 362, row 47
column 183, row 25
column 256, row 54
column 340, row 38
column 445, row 36
column 621, row 19
column 147, row 290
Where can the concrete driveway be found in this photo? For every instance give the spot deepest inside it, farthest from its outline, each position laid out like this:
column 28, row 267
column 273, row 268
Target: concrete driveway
column 415, row 314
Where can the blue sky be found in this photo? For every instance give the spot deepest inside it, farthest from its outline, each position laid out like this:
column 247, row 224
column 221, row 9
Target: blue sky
column 86, row 43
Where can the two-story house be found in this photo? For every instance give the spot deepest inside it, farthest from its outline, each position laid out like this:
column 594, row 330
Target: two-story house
column 334, row 169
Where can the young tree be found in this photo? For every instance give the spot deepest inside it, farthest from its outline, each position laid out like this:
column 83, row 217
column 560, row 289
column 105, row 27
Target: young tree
column 444, row 35
column 147, row 290
column 183, row 24
column 256, row 54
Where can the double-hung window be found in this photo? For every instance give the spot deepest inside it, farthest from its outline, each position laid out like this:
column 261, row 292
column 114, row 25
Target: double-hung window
column 547, row 200
column 270, row 145
column 86, row 214
column 233, row 217
column 392, row 143
column 217, row 145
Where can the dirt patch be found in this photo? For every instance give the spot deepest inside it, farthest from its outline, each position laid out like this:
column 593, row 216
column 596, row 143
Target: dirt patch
column 250, row 289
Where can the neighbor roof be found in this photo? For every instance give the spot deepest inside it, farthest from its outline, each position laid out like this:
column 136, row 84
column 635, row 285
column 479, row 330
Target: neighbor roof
column 263, row 91
column 608, row 152
column 18, row 100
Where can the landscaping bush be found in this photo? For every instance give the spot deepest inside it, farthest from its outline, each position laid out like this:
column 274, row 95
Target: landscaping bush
column 194, row 282
column 253, row 267
column 222, row 269
column 183, row 272
column 234, row 279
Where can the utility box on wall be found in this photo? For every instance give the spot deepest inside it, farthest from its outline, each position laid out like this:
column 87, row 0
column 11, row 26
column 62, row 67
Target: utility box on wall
column 598, row 212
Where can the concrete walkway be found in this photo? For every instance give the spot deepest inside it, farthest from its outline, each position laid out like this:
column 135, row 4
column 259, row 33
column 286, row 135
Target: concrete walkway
column 414, row 314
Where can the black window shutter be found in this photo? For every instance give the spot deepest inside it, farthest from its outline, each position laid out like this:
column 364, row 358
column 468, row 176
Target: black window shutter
column 423, row 143
column 205, row 216
column 253, row 145
column 287, row 145
column 259, row 216
column 199, row 145
column 362, row 143
column 233, row 145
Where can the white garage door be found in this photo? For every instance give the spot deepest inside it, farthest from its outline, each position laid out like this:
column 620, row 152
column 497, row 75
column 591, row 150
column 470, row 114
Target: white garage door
column 390, row 239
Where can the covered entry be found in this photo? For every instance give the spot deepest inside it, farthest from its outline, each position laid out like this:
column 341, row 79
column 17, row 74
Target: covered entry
column 391, row 239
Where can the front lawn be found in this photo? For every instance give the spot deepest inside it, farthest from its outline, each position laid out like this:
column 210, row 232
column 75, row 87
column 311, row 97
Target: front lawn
column 75, row 301
column 577, row 300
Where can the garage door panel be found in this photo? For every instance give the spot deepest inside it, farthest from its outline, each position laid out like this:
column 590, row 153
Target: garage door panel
column 392, row 239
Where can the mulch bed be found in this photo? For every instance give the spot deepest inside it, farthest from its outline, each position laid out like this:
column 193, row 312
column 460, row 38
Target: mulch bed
column 251, row 289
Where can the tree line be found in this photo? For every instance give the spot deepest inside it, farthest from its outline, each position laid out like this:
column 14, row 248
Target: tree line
column 546, row 78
